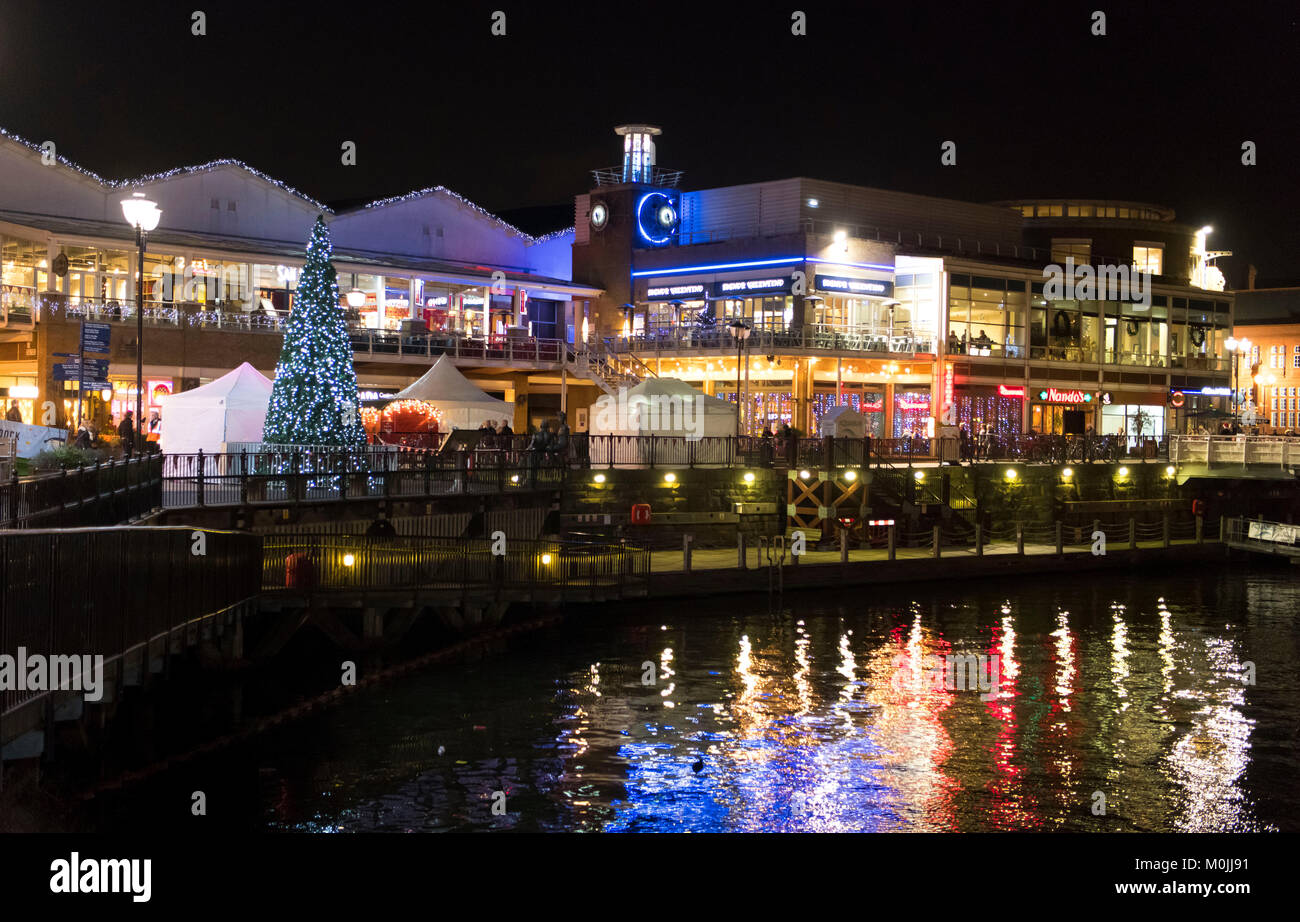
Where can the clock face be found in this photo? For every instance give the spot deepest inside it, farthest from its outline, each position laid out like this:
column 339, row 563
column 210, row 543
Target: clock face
column 599, row 215
column 666, row 215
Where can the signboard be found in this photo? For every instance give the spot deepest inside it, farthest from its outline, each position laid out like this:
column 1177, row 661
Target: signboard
column 749, row 288
column 869, row 287
column 1271, row 531
column 95, row 337
column 32, row 440
column 71, row 370
column 693, row 291
column 1007, row 390
column 1052, row 395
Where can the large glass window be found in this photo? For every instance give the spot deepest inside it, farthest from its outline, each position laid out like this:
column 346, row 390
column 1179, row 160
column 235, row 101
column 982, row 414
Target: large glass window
column 1149, row 257
column 1065, row 247
column 986, row 316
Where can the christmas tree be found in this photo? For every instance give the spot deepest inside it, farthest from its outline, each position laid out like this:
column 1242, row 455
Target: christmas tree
column 314, row 400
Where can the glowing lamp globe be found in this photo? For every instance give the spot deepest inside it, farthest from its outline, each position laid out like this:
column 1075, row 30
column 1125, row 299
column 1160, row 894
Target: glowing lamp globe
column 141, row 213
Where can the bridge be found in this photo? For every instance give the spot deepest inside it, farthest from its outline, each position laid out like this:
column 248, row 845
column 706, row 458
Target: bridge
column 1269, row 457
column 1261, row 537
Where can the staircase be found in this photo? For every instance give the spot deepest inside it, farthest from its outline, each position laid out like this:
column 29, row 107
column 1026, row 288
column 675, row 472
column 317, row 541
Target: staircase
column 609, row 370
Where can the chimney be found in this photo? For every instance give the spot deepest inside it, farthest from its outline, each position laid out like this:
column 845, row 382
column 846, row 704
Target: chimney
column 1250, row 277
column 638, row 152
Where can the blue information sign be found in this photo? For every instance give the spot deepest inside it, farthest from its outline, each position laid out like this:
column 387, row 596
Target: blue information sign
column 95, row 337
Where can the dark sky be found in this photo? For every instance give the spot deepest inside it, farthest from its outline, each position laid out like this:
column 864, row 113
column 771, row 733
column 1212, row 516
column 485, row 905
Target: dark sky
column 1155, row 111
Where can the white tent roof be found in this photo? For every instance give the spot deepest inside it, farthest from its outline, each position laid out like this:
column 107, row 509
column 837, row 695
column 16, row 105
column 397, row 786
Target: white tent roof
column 463, row 404
column 844, row 422
column 229, row 409
column 658, row 406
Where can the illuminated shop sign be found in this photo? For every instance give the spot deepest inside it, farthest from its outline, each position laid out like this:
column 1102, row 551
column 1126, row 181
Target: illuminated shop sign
column 1006, row 390
column 671, row 292
column 739, row 288
column 1204, row 391
column 1052, row 395
column 873, row 287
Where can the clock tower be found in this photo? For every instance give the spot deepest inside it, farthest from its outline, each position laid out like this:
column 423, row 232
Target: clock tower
column 632, row 207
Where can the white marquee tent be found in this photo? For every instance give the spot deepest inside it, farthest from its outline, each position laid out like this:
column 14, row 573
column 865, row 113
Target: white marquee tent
column 688, row 423
column 229, row 409
column 463, row 404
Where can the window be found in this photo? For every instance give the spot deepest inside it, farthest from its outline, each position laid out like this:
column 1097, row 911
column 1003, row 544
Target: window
column 1277, row 356
column 1295, row 359
column 1148, row 257
column 1064, row 247
column 1027, row 211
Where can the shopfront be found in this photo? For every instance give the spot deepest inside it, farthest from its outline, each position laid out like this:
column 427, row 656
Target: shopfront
column 1061, row 411
column 1000, row 406
column 1137, row 416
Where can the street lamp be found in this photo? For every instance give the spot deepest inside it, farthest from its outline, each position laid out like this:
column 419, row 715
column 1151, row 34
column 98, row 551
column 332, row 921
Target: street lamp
column 740, row 332
column 1234, row 345
column 143, row 215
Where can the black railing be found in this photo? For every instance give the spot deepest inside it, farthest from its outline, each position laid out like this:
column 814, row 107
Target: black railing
column 336, row 563
column 105, row 493
column 106, row 591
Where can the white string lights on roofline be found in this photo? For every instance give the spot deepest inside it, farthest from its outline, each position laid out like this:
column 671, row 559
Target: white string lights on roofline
column 431, row 190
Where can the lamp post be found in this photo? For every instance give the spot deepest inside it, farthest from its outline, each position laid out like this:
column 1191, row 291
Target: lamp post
column 143, row 215
column 740, row 332
column 1234, row 345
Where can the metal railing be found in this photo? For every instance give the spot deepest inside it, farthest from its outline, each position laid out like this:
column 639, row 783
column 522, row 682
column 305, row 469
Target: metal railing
column 107, row 591
column 340, row 563
column 817, row 338
column 105, row 493
column 1263, row 450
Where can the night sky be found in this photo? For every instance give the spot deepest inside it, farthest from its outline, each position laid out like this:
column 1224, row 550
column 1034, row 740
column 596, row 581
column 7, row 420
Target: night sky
column 1154, row 111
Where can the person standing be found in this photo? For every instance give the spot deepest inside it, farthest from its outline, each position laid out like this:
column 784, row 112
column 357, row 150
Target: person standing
column 126, row 432
column 14, row 415
column 561, row 444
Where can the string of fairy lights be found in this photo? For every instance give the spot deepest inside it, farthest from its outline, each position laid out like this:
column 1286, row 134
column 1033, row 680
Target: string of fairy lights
column 211, row 165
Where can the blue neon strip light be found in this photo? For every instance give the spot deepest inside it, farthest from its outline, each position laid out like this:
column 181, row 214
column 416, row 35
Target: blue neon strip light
column 758, row 262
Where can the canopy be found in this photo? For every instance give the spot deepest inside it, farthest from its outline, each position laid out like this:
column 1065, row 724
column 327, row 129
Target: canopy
column 678, row 414
column 229, row 409
column 464, row 405
column 842, row 422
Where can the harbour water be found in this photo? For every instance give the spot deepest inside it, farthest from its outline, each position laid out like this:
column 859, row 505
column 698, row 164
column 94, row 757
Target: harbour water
column 1161, row 702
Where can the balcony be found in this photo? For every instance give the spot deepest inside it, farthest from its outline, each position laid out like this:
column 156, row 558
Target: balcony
column 819, row 338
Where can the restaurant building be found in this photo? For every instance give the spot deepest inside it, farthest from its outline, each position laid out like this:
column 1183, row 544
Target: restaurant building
column 435, row 273
column 1268, row 366
column 915, row 310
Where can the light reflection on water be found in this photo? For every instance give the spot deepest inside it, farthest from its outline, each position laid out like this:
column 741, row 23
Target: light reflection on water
column 824, row 719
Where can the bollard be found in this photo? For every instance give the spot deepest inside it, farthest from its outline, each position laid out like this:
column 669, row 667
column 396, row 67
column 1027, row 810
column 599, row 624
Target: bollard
column 740, row 550
column 892, row 545
column 686, row 552
column 937, row 540
column 1132, row 534
column 1200, row 529
column 1020, row 539
column 1096, row 526
column 1060, row 540
column 979, row 540
column 844, row 545
column 1165, row 536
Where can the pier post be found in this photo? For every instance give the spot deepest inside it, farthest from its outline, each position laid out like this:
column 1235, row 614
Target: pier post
column 979, row 540
column 893, row 546
column 1060, row 539
column 937, row 540
column 1165, row 530
column 844, row 545
column 740, row 550
column 1200, row 529
column 1132, row 534
column 686, row 552
column 1020, row 539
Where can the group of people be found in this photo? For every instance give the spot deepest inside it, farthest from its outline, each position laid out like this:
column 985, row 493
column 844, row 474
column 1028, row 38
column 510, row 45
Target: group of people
column 493, row 436
column 88, row 435
column 959, row 346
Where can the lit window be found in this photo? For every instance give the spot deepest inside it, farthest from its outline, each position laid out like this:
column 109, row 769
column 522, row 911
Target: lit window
column 1081, row 250
column 1027, row 211
column 1148, row 257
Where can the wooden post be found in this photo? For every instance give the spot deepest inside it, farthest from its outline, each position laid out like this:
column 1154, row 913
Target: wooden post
column 844, row 545
column 1165, row 529
column 740, row 549
column 893, row 548
column 1132, row 534
column 1020, row 539
column 1060, row 539
column 979, row 540
column 686, row 552
column 938, row 541
column 1200, row 529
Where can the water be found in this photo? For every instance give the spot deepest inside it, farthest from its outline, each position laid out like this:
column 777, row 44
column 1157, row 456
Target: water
column 817, row 714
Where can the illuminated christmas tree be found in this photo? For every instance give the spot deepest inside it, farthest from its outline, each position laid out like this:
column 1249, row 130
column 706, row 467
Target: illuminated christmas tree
column 314, row 400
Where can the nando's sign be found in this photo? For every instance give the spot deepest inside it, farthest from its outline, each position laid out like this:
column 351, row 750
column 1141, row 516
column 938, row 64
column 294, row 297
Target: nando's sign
column 1053, row 395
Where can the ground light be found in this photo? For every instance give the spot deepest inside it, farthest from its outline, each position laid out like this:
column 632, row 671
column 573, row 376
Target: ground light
column 1067, row 473
column 670, row 477
column 1011, row 473
column 1171, row 470
column 1123, row 472
column 749, row 477
column 599, row 478
column 348, row 560
column 850, row 475
column 804, row 475
column 514, row 478
column 546, row 560
column 919, row 475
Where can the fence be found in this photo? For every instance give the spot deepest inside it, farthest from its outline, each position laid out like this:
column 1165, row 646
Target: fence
column 107, row 591
column 105, row 493
column 333, row 563
column 1263, row 450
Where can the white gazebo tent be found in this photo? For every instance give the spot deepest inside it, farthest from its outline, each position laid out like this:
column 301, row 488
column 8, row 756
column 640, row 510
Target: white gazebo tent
column 842, row 422
column 463, row 404
column 229, row 409
column 689, row 426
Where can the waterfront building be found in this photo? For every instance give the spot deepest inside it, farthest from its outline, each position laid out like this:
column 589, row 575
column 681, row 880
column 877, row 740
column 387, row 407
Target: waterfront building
column 1268, row 368
column 917, row 311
